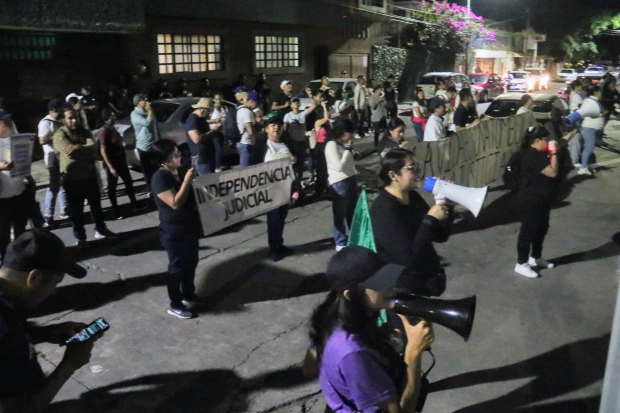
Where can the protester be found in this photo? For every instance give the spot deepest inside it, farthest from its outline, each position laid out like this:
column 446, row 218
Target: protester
column 344, row 105
column 239, row 84
column 90, row 106
column 591, row 127
column 450, row 98
column 270, row 149
column 360, row 100
column 75, row 104
column 342, row 179
column 15, row 198
column 179, row 227
column 164, row 92
column 405, row 227
column 78, row 153
column 46, row 129
column 120, row 102
column 326, row 87
column 575, row 101
column 378, row 113
column 143, row 121
column 294, row 125
column 435, row 129
column 394, row 138
column 247, row 124
column 282, row 102
column 200, row 137
column 205, row 90
column 525, row 104
column 261, row 84
column 609, row 97
column 359, row 369
column 114, row 161
column 463, row 117
column 313, row 114
column 34, row 264
column 322, row 127
column 539, row 167
column 390, row 96
column 218, row 116
column 420, row 114
column 181, row 89
column 440, row 88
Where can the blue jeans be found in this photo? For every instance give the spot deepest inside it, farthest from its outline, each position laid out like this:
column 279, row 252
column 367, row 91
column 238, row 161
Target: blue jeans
column 205, row 168
column 275, row 227
column 182, row 249
column 419, row 131
column 245, row 154
column 55, row 191
column 344, row 199
column 589, row 142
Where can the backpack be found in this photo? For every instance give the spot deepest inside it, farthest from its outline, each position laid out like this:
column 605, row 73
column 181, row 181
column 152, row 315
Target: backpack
column 512, row 174
column 230, row 128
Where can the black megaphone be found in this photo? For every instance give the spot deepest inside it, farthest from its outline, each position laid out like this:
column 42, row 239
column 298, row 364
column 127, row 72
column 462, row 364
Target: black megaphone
column 457, row 315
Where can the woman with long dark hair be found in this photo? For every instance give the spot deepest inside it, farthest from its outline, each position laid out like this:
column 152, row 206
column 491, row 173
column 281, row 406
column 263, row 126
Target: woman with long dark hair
column 405, row 227
column 539, row 167
column 359, row 371
column 179, row 227
column 342, row 178
column 114, row 160
column 525, row 104
column 394, row 137
column 420, row 114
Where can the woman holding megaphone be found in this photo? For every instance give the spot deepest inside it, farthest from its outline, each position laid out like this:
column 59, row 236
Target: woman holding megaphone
column 405, row 227
column 359, row 371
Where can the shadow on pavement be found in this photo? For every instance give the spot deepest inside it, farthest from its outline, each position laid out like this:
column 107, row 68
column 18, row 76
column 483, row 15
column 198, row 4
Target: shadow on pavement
column 610, row 249
column 557, row 372
column 212, row 391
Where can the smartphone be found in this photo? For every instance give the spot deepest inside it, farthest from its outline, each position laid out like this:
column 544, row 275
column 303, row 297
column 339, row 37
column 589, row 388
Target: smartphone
column 97, row 326
column 552, row 146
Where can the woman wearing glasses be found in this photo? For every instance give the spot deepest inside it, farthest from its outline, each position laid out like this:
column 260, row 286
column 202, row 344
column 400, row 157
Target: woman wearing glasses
column 179, row 226
column 405, row 227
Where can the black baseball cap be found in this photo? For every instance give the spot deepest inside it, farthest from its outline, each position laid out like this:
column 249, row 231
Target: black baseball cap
column 436, row 102
column 41, row 250
column 356, row 266
column 5, row 115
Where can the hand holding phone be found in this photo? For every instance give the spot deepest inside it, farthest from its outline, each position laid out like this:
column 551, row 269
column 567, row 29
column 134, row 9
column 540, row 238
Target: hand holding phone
column 95, row 328
column 552, row 146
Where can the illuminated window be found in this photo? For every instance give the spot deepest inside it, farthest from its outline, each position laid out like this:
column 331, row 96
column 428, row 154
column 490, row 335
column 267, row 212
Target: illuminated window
column 189, row 53
column 26, row 46
column 276, row 51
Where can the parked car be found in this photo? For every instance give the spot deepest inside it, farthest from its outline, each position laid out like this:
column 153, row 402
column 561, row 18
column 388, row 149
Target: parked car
column 487, row 85
column 596, row 69
column 520, row 81
column 548, row 109
column 428, row 81
column 336, row 84
column 541, row 78
column 567, row 75
column 171, row 115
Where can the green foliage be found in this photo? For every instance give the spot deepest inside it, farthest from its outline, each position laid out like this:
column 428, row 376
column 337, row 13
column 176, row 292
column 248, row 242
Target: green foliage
column 581, row 45
column 387, row 61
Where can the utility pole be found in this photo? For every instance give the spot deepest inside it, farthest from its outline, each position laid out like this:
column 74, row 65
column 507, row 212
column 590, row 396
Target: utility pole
column 468, row 40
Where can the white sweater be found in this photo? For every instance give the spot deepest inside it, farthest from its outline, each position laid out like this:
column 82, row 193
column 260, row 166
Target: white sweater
column 340, row 163
column 591, row 111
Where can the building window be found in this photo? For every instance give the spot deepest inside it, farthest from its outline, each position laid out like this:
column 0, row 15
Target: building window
column 26, row 46
column 379, row 4
column 355, row 29
column 189, row 53
column 276, row 51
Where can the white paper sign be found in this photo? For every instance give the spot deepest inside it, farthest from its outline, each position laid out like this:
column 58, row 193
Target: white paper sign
column 21, row 154
column 229, row 197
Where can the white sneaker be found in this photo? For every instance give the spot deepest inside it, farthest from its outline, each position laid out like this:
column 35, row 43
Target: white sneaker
column 526, row 270
column 584, row 171
column 577, row 165
column 540, row 262
column 357, row 136
column 340, row 247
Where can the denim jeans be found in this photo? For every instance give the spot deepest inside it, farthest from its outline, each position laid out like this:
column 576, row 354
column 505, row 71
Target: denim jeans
column 205, row 168
column 590, row 137
column 77, row 192
column 245, row 154
column 419, row 131
column 344, row 199
column 574, row 148
column 182, row 249
column 55, row 191
column 275, row 227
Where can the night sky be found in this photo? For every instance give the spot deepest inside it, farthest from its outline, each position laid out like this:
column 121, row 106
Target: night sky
column 554, row 17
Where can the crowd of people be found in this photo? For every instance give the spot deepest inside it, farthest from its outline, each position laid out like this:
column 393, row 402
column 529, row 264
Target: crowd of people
column 352, row 355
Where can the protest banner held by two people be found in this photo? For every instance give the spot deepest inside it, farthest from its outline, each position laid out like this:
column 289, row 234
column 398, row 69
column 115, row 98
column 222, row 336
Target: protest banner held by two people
column 237, row 195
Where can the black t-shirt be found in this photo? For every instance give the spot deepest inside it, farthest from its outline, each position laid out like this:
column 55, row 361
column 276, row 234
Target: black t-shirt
column 20, row 371
column 280, row 100
column 205, row 149
column 463, row 116
column 185, row 218
column 537, row 187
column 313, row 116
column 386, row 144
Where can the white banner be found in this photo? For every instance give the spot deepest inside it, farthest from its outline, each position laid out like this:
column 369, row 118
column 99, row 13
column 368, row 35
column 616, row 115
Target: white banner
column 229, row 197
column 21, row 154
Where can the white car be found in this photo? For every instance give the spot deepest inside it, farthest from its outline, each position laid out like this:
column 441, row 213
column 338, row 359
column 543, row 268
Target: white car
column 520, row 81
column 596, row 70
column 567, row 75
column 428, row 81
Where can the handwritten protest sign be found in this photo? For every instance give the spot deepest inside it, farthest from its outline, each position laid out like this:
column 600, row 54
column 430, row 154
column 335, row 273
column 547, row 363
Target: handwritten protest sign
column 227, row 198
column 21, row 154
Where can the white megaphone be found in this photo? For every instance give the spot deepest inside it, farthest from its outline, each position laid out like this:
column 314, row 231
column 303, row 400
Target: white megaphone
column 470, row 198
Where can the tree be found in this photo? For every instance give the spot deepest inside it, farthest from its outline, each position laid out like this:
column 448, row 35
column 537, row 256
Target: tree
column 582, row 44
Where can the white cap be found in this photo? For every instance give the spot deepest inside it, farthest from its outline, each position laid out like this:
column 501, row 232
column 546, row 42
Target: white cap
column 284, row 83
column 73, row 95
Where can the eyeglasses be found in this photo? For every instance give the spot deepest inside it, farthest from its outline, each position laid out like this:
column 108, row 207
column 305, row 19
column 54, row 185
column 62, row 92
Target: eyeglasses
column 414, row 167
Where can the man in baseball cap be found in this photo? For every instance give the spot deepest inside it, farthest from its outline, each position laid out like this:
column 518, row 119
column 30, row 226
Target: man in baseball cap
column 34, row 264
column 282, row 103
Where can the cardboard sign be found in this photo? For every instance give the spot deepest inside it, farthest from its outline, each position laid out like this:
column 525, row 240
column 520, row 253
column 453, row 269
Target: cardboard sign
column 21, row 154
column 229, row 197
